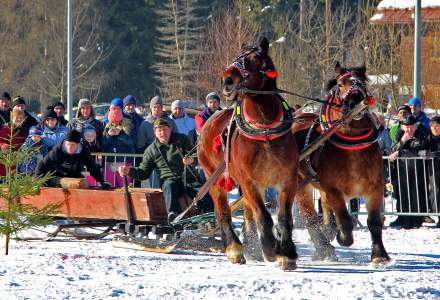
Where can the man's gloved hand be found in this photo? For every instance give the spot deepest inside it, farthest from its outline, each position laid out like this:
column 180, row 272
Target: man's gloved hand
column 105, row 185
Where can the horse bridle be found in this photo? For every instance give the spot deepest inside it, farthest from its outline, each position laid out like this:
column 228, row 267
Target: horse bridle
column 240, row 65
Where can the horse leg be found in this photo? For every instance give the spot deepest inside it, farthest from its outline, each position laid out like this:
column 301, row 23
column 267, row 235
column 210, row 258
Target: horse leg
column 336, row 202
column 286, row 250
column 323, row 249
column 251, row 243
column 378, row 254
column 263, row 221
column 233, row 246
column 328, row 226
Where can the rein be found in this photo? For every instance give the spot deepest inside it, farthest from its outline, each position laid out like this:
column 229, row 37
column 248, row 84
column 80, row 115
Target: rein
column 277, row 91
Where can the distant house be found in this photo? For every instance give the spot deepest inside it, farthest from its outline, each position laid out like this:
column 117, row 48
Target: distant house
column 402, row 12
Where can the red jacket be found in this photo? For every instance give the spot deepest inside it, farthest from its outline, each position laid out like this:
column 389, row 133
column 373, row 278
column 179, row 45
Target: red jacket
column 18, row 139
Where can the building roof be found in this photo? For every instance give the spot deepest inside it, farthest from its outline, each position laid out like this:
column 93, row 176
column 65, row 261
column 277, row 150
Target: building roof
column 402, row 11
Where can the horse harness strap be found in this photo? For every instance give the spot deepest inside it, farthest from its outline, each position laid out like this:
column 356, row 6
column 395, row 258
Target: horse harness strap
column 267, row 133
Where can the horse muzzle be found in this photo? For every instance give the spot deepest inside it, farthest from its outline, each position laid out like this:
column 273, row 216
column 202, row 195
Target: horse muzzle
column 229, row 89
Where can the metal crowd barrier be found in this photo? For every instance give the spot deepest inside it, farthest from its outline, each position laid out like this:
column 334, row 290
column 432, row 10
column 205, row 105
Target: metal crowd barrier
column 109, row 164
column 412, row 185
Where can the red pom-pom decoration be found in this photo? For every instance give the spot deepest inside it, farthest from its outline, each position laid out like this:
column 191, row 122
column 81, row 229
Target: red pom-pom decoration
column 217, row 144
column 226, row 183
column 372, row 101
column 272, row 73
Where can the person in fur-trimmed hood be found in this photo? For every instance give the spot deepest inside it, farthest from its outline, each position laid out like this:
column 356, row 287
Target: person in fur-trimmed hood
column 84, row 115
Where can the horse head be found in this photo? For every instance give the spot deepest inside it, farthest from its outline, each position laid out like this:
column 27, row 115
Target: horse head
column 349, row 86
column 253, row 69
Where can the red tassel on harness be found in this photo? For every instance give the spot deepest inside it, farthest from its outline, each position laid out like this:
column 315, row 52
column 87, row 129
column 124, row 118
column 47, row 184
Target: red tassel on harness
column 372, row 101
column 226, row 183
column 217, row 144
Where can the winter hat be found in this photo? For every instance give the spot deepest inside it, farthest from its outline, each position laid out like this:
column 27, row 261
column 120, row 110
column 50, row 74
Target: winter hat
column 88, row 128
column 129, row 100
column 156, row 100
column 160, row 122
column 5, row 96
column 415, row 101
column 73, row 136
column 59, row 103
column 435, row 119
column 213, row 95
column 35, row 130
column 115, row 115
column 117, row 102
column 83, row 102
column 18, row 100
column 410, row 120
column 49, row 113
column 177, row 103
column 404, row 107
column 17, row 112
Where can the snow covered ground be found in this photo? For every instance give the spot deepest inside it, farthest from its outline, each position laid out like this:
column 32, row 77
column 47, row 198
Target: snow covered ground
column 95, row 270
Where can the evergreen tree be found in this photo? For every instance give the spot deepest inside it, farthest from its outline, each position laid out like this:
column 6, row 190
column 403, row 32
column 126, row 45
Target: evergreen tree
column 14, row 215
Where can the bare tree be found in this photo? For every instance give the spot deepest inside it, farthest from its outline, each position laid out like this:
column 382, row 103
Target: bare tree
column 224, row 38
column 180, row 28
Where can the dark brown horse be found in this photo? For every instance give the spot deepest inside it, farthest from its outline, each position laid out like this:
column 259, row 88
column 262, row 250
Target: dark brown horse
column 349, row 165
column 262, row 153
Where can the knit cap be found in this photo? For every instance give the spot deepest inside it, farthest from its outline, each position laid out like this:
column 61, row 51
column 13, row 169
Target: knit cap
column 5, row 96
column 115, row 115
column 88, row 128
column 129, row 100
column 50, row 113
column 18, row 100
column 156, row 100
column 213, row 95
column 35, row 130
column 117, row 102
column 177, row 103
column 435, row 119
column 73, row 136
column 415, row 101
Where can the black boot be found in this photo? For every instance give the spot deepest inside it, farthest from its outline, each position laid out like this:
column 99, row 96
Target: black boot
column 397, row 223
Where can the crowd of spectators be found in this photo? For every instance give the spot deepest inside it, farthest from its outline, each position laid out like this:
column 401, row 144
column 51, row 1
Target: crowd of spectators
column 63, row 147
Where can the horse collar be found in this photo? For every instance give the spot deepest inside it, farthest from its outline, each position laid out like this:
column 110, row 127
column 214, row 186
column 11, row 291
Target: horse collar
column 263, row 131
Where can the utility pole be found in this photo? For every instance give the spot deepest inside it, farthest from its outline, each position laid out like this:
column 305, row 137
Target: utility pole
column 417, row 60
column 69, row 59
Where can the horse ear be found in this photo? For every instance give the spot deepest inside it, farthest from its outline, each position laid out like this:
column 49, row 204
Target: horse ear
column 363, row 69
column 264, row 46
column 338, row 68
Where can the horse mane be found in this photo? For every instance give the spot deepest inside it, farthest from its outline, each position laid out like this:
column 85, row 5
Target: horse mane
column 357, row 71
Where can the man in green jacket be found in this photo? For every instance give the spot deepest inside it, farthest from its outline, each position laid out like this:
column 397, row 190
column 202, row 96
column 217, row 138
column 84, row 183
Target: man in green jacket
column 167, row 154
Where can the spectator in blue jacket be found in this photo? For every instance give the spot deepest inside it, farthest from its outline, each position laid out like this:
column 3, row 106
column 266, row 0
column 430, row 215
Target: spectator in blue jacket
column 34, row 142
column 416, row 108
column 53, row 132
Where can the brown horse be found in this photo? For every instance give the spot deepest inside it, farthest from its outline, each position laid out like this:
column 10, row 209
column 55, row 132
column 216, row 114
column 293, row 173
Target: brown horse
column 349, row 165
column 262, row 153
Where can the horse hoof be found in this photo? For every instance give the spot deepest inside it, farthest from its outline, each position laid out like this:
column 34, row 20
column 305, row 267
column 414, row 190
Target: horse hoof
column 237, row 259
column 380, row 261
column 345, row 240
column 286, row 263
column 234, row 253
